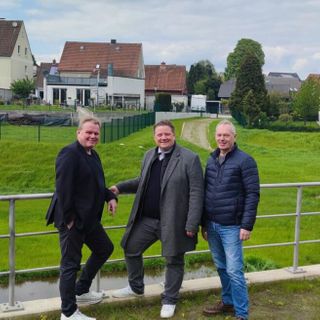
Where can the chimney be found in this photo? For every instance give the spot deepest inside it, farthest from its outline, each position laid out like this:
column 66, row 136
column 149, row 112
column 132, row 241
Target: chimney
column 113, row 41
column 162, row 65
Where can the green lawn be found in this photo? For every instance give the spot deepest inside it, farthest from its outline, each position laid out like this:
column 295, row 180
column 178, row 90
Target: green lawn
column 28, row 167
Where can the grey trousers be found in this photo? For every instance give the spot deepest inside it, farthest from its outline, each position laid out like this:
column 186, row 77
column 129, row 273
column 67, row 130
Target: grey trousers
column 145, row 232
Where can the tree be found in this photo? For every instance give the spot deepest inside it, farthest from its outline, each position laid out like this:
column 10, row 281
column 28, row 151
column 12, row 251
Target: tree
column 243, row 48
column 250, row 79
column 203, row 79
column 22, row 87
column 307, row 101
column 251, row 110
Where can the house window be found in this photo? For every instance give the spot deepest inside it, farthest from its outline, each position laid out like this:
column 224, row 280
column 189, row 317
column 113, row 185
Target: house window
column 18, row 49
column 25, row 51
column 25, row 70
column 59, row 96
column 83, row 97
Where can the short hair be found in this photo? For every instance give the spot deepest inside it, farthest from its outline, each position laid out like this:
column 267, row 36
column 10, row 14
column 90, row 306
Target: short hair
column 88, row 118
column 164, row 123
column 229, row 123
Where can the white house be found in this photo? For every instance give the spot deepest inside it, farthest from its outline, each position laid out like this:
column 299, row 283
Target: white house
column 16, row 60
column 93, row 73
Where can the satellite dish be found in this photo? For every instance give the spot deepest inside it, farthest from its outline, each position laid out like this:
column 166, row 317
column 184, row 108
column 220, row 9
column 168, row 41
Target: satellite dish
column 14, row 24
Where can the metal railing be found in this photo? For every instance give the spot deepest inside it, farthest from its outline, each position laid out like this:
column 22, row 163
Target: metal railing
column 15, row 305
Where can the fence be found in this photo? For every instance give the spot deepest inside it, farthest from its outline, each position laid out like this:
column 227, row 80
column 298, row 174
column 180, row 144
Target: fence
column 14, row 305
column 112, row 130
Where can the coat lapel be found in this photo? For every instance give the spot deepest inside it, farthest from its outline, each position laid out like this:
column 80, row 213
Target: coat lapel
column 175, row 158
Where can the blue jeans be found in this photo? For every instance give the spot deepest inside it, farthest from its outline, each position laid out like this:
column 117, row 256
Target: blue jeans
column 226, row 250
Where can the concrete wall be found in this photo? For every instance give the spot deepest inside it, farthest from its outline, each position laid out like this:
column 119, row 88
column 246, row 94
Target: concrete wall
column 183, row 115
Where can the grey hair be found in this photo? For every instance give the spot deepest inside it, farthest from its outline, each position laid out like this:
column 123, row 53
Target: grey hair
column 89, row 118
column 229, row 123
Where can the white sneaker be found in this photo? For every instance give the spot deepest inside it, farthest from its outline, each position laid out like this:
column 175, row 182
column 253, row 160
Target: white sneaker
column 167, row 310
column 90, row 297
column 126, row 293
column 77, row 315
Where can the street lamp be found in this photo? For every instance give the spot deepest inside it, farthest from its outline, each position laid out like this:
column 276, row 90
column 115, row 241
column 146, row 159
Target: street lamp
column 98, row 79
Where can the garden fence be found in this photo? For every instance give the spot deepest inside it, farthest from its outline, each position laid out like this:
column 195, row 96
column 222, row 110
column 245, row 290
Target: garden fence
column 112, row 130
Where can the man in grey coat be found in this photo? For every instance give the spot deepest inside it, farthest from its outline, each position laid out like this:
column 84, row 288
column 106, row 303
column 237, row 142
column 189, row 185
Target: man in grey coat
column 167, row 207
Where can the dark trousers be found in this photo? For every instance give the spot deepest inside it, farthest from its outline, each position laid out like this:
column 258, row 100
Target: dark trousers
column 145, row 232
column 71, row 243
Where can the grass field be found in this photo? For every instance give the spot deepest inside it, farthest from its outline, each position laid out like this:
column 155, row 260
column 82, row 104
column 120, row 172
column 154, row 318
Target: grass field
column 281, row 156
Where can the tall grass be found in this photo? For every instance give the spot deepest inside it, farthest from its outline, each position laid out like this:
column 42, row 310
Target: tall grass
column 28, row 167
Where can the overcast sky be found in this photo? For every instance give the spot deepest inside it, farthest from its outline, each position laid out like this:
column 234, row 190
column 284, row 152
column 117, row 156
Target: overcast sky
column 178, row 31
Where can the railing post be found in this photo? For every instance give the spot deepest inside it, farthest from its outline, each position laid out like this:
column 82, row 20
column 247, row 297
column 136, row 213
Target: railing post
column 295, row 268
column 12, row 305
column 39, row 129
column 98, row 278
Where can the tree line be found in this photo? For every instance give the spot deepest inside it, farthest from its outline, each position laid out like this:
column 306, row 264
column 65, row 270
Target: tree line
column 250, row 103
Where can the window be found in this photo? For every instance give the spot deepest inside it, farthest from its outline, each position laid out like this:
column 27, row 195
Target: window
column 59, row 96
column 18, row 48
column 25, row 51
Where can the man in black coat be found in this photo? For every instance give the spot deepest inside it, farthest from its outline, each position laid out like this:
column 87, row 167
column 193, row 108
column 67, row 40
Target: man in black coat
column 76, row 211
column 231, row 199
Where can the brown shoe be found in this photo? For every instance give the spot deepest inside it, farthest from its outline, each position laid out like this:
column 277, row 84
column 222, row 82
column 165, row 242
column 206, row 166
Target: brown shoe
column 218, row 308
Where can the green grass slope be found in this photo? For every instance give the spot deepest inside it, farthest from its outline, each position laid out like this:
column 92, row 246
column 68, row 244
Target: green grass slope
column 282, row 157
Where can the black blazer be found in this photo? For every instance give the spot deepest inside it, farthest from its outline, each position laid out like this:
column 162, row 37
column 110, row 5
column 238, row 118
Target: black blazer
column 80, row 188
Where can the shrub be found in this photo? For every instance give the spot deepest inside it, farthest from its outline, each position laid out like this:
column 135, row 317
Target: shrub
column 163, row 102
column 285, row 117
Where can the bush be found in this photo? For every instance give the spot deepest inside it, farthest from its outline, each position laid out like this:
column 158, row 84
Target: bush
column 285, row 117
column 178, row 106
column 163, row 102
column 293, row 126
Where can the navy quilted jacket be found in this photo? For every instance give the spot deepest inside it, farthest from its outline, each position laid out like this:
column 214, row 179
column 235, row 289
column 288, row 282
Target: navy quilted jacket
column 232, row 189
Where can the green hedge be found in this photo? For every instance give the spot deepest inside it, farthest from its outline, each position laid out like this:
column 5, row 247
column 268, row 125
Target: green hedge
column 293, row 126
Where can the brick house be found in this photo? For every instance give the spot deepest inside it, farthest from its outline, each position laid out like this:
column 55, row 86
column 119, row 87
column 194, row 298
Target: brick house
column 166, row 78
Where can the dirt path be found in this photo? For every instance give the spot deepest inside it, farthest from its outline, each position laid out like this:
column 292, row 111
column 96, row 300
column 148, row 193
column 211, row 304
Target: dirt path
column 196, row 132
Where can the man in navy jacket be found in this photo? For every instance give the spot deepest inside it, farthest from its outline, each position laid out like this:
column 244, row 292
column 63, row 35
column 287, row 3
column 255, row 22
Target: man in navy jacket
column 76, row 211
column 231, row 199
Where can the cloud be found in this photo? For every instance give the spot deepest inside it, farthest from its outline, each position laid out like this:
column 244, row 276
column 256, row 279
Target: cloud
column 300, row 64
column 316, row 56
column 181, row 31
column 275, row 54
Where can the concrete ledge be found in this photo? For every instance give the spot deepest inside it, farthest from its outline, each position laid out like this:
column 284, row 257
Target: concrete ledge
column 53, row 304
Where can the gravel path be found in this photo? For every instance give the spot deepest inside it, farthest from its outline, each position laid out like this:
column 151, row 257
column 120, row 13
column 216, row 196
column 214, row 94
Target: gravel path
column 196, row 132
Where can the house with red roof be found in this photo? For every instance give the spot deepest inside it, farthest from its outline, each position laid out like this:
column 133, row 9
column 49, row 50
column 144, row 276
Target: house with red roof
column 94, row 73
column 16, row 61
column 168, row 79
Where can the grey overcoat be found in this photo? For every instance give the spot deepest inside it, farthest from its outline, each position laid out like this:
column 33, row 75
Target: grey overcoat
column 181, row 199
